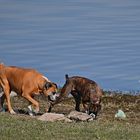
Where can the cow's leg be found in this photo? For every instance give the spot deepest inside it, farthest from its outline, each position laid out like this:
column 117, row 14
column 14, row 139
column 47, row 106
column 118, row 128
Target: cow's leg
column 77, row 99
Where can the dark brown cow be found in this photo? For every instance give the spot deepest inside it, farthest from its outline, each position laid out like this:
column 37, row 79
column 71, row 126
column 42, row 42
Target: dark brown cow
column 82, row 89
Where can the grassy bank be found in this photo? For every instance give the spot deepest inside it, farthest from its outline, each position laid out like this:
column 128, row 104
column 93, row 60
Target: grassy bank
column 106, row 127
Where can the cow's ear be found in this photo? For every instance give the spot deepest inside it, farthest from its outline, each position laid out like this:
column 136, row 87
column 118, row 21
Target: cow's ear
column 66, row 76
column 48, row 85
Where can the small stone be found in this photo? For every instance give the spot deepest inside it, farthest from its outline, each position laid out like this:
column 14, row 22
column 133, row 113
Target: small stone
column 79, row 116
column 120, row 114
column 52, row 117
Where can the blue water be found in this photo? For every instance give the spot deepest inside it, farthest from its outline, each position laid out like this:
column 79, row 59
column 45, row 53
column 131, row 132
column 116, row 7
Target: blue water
column 98, row 39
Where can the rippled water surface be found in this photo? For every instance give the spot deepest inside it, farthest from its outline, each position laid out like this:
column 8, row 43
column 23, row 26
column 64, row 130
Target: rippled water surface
column 92, row 38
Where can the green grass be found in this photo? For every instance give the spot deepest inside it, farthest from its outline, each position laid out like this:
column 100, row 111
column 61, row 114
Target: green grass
column 106, row 127
column 28, row 128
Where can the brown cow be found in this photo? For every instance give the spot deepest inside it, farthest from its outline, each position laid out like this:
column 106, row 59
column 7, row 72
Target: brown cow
column 81, row 89
column 25, row 82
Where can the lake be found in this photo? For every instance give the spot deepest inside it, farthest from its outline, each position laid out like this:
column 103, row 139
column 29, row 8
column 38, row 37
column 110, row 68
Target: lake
column 96, row 39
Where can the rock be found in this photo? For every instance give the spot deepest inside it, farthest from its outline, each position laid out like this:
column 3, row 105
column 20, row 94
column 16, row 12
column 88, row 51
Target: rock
column 73, row 116
column 79, row 116
column 120, row 114
column 52, row 117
